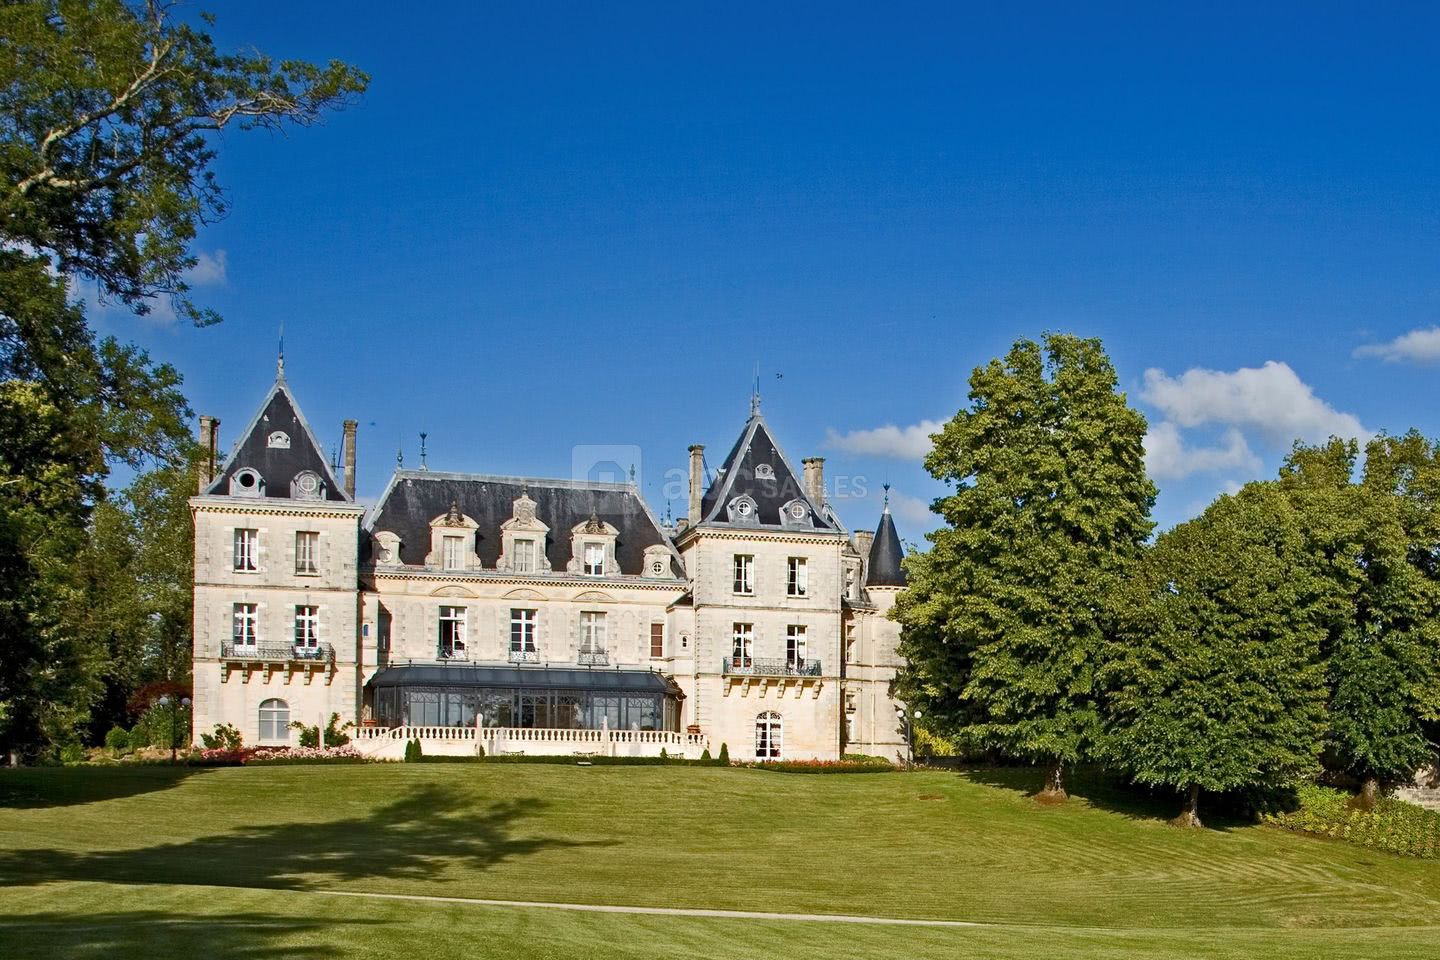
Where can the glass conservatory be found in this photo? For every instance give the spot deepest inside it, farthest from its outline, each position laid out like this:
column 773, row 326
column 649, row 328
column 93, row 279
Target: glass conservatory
column 453, row 696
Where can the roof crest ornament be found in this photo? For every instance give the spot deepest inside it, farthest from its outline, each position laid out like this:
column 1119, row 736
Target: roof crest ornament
column 755, row 394
column 453, row 518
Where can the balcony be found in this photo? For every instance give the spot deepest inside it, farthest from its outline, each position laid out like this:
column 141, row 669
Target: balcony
column 455, row 651
column 593, row 658
column 783, row 676
column 524, row 656
column 769, row 667
column 268, row 658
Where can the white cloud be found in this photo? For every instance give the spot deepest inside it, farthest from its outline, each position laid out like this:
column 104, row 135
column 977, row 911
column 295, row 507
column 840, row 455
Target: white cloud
column 1168, row 457
column 1271, row 399
column 209, row 270
column 900, row 443
column 912, row 511
column 1417, row 346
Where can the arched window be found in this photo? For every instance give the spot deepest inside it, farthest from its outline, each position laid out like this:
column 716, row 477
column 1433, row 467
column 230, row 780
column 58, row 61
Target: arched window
column 247, row 482
column 274, row 720
column 767, row 736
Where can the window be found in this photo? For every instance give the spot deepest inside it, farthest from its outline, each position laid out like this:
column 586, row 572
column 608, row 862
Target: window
column 522, row 631
column 454, row 553
column 307, row 550
column 795, row 647
column 850, row 644
column 767, row 736
column 524, row 556
column 307, row 626
column 274, row 720
column 657, row 639
column 594, row 559
column 744, row 573
column 452, row 633
column 247, row 621
column 742, row 645
column 592, row 632
column 797, row 577
column 247, row 551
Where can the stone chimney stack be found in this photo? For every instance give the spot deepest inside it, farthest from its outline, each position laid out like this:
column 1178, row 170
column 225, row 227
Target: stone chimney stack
column 815, row 478
column 864, row 539
column 348, row 452
column 697, row 481
column 209, row 452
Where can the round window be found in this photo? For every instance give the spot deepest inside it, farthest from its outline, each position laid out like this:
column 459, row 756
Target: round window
column 308, row 482
column 743, row 508
column 658, row 566
column 246, row 480
column 797, row 511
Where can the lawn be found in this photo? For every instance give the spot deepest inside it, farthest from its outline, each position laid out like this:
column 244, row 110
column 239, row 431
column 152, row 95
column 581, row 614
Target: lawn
column 230, row 863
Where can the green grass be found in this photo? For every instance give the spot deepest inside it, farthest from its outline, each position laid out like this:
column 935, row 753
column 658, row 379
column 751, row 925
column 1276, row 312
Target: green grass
column 226, row 863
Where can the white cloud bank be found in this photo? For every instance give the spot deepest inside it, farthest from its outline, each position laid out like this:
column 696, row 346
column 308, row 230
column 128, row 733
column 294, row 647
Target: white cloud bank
column 899, row 443
column 1270, row 399
column 913, row 511
column 1169, row 457
column 1417, row 346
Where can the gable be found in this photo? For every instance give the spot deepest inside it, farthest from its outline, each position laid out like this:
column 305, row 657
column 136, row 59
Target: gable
column 756, row 468
column 279, row 446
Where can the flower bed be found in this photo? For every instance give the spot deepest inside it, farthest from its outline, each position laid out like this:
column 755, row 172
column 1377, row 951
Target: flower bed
column 1393, row 826
column 260, row 756
column 868, row 765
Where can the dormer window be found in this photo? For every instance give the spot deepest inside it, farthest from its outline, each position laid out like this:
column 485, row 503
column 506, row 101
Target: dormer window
column 796, row 513
column 522, row 538
column 247, row 482
column 763, row 471
column 743, row 510
column 307, row 485
column 594, row 559
column 524, row 556
column 454, row 553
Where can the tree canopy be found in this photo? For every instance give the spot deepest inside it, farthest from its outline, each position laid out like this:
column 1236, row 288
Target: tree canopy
column 1003, row 618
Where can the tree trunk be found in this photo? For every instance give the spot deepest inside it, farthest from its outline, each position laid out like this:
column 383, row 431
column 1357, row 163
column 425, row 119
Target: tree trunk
column 1054, row 791
column 1369, row 795
column 1190, row 816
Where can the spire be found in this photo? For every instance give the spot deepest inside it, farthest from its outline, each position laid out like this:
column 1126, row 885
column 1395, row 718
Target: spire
column 423, row 465
column 755, row 394
column 280, row 354
column 884, row 568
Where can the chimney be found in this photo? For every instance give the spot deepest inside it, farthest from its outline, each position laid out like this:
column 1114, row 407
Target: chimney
column 209, row 444
column 697, row 481
column 348, row 451
column 815, row 478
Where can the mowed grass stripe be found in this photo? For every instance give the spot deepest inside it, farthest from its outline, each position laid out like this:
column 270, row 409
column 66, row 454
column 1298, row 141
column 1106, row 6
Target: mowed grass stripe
column 697, row 838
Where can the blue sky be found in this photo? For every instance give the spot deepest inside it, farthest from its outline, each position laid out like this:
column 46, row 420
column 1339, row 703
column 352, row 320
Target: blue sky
column 584, row 224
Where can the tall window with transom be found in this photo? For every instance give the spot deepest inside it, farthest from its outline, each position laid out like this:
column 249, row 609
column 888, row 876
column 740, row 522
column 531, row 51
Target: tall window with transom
column 307, row 552
column 245, row 632
column 742, row 645
column 522, row 634
column 452, row 633
column 307, row 627
column 768, row 730
column 797, row 577
column 744, row 568
column 795, row 647
column 592, row 633
column 247, row 550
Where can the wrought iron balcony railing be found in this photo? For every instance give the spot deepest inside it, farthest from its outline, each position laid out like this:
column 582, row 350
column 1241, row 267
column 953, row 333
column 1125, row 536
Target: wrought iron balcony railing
column 524, row 656
column 593, row 658
column 277, row 652
column 769, row 667
column 457, row 652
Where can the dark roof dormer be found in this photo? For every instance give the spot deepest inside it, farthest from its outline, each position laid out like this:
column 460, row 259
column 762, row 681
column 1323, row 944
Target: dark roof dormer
column 278, row 456
column 757, row 487
column 884, row 568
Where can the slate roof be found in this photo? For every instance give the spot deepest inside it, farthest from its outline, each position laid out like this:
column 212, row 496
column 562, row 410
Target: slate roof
column 278, row 465
column 416, row 497
column 884, row 569
column 548, row 678
column 743, row 473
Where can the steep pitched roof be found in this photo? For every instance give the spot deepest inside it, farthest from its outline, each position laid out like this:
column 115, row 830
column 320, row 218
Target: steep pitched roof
column 280, row 463
column 756, row 467
column 884, row 569
column 415, row 497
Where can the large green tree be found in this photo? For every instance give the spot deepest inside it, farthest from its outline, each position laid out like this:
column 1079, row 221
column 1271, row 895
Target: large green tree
column 1374, row 542
column 108, row 112
column 1213, row 676
column 1003, row 619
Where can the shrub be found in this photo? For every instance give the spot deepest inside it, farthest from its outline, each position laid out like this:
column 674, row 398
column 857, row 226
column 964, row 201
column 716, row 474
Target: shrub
column 72, row 753
column 413, row 753
column 335, row 735
column 1393, row 826
column 866, row 765
column 724, row 759
column 155, row 726
column 225, row 737
column 118, row 739
column 705, row 756
column 663, row 754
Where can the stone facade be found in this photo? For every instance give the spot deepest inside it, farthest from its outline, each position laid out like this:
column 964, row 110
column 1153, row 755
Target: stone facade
column 495, row 604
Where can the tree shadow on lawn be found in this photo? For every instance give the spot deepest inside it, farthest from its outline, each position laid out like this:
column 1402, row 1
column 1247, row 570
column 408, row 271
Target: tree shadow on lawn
column 36, row 787
column 153, row 933
column 1103, row 790
column 415, row 837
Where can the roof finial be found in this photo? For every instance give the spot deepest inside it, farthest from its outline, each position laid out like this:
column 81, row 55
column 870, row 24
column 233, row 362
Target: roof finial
column 755, row 394
column 399, row 456
column 887, row 498
column 423, row 465
column 280, row 354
